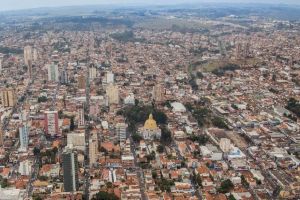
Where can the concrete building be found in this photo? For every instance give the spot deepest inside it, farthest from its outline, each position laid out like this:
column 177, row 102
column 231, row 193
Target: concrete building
column 51, row 123
column 12, row 194
column 28, row 55
column 110, row 78
column 81, row 82
column 64, row 76
column 24, row 139
column 70, row 170
column 178, row 107
column 225, row 145
column 1, row 136
column 25, row 168
column 129, row 100
column 121, row 132
column 53, row 72
column 76, row 141
column 112, row 92
column 8, row 97
column 81, row 120
column 93, row 151
column 92, row 72
column 158, row 93
column 1, row 62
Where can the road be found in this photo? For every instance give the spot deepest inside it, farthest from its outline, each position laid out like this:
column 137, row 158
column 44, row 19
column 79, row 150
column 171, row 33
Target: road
column 87, row 140
column 139, row 170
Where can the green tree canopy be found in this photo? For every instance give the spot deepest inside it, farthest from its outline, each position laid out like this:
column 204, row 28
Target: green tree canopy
column 105, row 196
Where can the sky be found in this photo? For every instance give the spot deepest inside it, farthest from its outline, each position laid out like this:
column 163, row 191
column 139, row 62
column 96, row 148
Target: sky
column 25, row 4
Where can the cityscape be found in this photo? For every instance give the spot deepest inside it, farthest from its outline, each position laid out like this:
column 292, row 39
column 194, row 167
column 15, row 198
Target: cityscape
column 182, row 101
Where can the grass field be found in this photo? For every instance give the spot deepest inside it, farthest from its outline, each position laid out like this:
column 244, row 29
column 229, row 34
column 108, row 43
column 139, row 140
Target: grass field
column 210, row 66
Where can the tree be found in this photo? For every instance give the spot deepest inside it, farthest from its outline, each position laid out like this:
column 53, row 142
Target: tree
column 136, row 102
column 105, row 196
column 36, row 197
column 36, row 151
column 234, row 106
column 202, row 115
column 150, row 156
column 43, row 178
column 166, row 136
column 226, row 186
column 244, row 182
column 219, row 122
column 293, row 105
column 72, row 124
column 154, row 174
column 136, row 137
column 165, row 185
column 199, row 180
column 42, row 99
column 60, row 114
column 201, row 139
column 160, row 117
column 231, row 197
column 109, row 185
column 4, row 182
column 160, row 149
column 274, row 77
column 200, row 75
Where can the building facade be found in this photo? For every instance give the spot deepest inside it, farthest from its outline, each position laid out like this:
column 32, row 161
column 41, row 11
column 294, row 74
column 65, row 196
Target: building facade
column 70, row 170
column 51, row 123
column 8, row 97
column 24, row 139
column 53, row 73
column 112, row 92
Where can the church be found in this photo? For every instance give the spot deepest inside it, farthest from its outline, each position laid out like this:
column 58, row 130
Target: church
column 150, row 130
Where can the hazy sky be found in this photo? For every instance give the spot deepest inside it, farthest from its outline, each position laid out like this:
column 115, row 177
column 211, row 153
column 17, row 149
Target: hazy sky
column 23, row 4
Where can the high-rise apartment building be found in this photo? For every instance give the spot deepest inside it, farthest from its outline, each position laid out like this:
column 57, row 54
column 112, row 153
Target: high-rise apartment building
column 24, row 137
column 70, row 170
column 51, row 122
column 81, row 82
column 158, row 93
column 81, row 120
column 93, row 150
column 1, row 136
column 1, row 62
column 64, row 77
column 8, row 97
column 92, row 72
column 53, row 72
column 110, row 77
column 121, row 132
column 112, row 92
column 28, row 55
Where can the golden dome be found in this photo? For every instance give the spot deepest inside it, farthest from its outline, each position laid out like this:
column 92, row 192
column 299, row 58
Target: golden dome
column 150, row 123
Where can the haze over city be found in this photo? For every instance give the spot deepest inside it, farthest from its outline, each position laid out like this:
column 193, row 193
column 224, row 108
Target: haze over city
column 149, row 100
column 21, row 4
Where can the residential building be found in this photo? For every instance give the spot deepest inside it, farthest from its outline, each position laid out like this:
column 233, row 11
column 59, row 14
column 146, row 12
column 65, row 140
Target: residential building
column 158, row 93
column 51, row 123
column 70, row 170
column 121, row 132
column 53, row 72
column 112, row 92
column 8, row 97
column 24, row 139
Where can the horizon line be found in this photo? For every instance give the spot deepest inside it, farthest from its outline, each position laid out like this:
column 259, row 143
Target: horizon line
column 128, row 5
